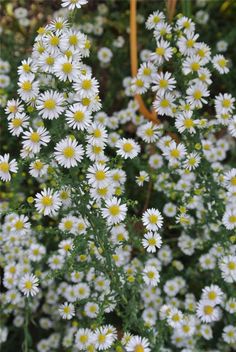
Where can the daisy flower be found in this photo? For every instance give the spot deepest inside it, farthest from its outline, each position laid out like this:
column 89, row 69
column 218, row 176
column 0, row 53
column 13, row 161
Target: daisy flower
column 13, row 107
column 103, row 339
column 83, row 338
column 98, row 175
column 192, row 161
column 187, row 44
column 220, row 64
column 29, row 285
column 38, row 168
column 139, row 86
column 155, row 18
column 163, row 82
column 143, row 177
column 17, row 124
column 73, row 41
column 164, row 104
column 78, row 117
column 148, row 132
column 73, row 4
column 196, row 94
column 137, row 344
column 104, row 55
column 162, row 53
column 213, row 294
column 207, row 312
column 86, row 86
column 6, row 167
column 229, row 218
column 151, row 242
column 68, row 152
column 58, row 25
column 67, row 310
column 191, row 64
column 184, row 122
column 127, row 148
column 46, row 62
column 151, row 275
column 174, row 151
column 152, row 219
column 50, row 104
column 227, row 266
column 34, row 139
column 147, row 71
column 28, row 88
column 230, row 180
column 20, row 224
column 65, row 69
column 175, row 318
column 229, row 334
column 114, row 212
column 224, row 103
column 47, row 202
column 97, row 134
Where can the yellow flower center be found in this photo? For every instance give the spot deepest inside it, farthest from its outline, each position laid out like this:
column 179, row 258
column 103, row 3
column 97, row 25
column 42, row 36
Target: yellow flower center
column 54, row 41
column 139, row 83
column 139, row 348
column 101, row 338
column 197, row 94
column 100, row 175
column 195, row 66
column 67, row 67
column 68, row 152
column 73, row 40
column 147, row 71
column 151, row 241
column 212, row 295
column 208, row 310
column 175, row 153
column 19, row 225
column 17, row 122
column 79, row 116
column 233, row 181
column 50, row 60
column 49, row 104
column 26, row 67
column 46, row 201
column 232, row 219
column 164, row 103
column 222, row 63
column 153, row 219
column 68, row 224
column 151, row 274
column 160, row 51
column 35, row 137
column 188, row 123
column 114, row 210
column 28, row 285
column 38, row 165
column 87, row 84
column 4, row 167
column 176, row 317
column 163, row 83
column 83, row 338
column 226, row 103
column 128, row 147
column 190, row 43
column 232, row 265
column 26, row 86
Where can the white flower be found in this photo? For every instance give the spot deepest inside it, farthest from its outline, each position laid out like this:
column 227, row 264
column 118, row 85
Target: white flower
column 151, row 241
column 207, row 312
column 83, row 338
column 29, row 285
column 137, row 344
column 148, row 132
column 6, row 167
column 224, row 103
column 104, row 338
column 18, row 123
column 143, row 177
column 187, row 45
column 152, row 219
column 213, row 294
column 175, row 318
column 184, row 122
column 72, row 4
column 78, row 117
column 229, row 334
column 174, row 151
column 229, row 218
column 153, row 19
column 67, row 310
column 230, row 180
column 162, row 53
column 127, row 148
column 105, row 55
column 68, row 152
column 196, row 94
column 192, row 161
column 33, row 140
column 114, row 211
column 28, row 88
column 98, row 175
column 47, row 202
column 38, row 168
column 50, row 104
column 228, row 268
column 221, row 64
column 66, row 69
column 151, row 275
column 163, row 82
column 164, row 104
column 86, row 86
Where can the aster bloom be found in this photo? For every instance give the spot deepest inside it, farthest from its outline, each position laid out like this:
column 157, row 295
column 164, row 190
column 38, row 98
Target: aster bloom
column 29, row 285
column 213, row 294
column 220, row 63
column 151, row 242
column 73, row 4
column 150, row 275
column 34, row 139
column 50, row 104
column 47, row 202
column 127, row 148
column 114, row 212
column 98, row 175
column 83, row 338
column 207, row 312
column 29, row 88
column 164, row 104
column 66, row 69
column 86, row 86
column 78, row 117
column 138, row 344
column 68, row 152
column 152, row 219
column 230, row 180
column 17, row 124
column 143, row 177
column 7, row 166
column 67, row 311
column 192, row 161
column 229, row 218
column 162, row 53
column 163, row 82
column 185, row 122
